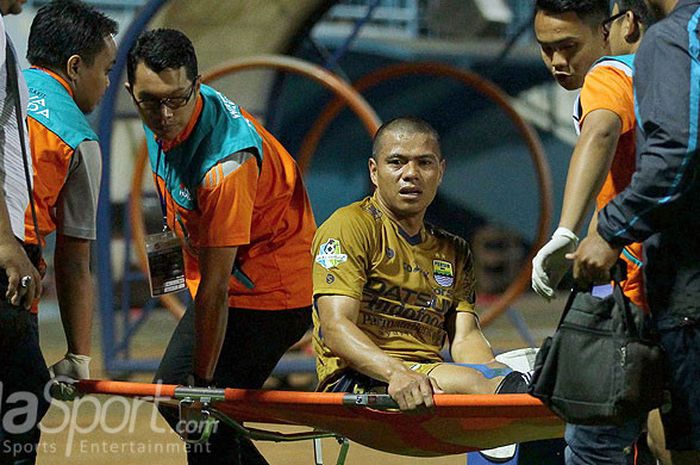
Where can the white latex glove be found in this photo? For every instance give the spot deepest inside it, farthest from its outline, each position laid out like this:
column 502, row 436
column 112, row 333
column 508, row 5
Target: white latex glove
column 66, row 372
column 550, row 263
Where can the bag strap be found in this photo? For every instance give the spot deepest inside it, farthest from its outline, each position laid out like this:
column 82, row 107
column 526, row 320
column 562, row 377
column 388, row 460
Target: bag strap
column 619, row 274
column 569, row 303
column 13, row 85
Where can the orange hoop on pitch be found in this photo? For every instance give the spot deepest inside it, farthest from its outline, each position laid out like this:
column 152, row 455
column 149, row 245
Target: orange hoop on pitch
column 494, row 93
column 343, row 91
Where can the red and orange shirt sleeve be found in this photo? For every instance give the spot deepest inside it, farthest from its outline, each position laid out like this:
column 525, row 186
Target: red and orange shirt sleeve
column 609, row 87
column 51, row 159
column 226, row 198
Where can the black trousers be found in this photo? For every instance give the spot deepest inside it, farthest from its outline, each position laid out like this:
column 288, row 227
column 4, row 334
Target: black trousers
column 23, row 378
column 255, row 341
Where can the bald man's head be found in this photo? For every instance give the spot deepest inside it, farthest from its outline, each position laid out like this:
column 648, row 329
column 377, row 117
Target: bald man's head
column 406, row 125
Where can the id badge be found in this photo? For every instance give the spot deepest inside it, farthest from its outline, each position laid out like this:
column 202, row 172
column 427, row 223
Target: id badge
column 166, row 267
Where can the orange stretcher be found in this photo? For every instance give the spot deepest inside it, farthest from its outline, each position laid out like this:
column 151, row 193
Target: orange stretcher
column 457, row 424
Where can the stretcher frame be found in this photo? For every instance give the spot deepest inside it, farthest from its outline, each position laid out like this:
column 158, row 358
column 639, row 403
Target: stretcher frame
column 344, row 416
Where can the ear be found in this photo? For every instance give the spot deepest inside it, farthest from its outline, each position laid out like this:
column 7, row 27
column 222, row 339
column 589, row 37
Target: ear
column 443, row 165
column 633, row 32
column 372, row 165
column 73, row 66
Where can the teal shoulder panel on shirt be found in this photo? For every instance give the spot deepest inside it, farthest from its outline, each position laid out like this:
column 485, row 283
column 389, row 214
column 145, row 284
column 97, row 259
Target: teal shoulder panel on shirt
column 220, row 131
column 53, row 107
column 627, row 60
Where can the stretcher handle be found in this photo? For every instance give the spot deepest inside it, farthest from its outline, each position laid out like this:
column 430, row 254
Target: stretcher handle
column 375, row 401
column 202, row 422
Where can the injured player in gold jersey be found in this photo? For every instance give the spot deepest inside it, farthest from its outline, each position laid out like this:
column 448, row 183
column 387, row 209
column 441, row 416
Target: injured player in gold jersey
column 389, row 290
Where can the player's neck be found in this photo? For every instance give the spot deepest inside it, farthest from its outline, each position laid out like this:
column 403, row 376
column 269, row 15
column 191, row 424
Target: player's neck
column 410, row 224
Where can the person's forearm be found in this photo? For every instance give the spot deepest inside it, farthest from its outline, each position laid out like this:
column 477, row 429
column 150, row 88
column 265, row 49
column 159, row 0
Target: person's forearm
column 211, row 308
column 7, row 236
column 349, row 343
column 593, row 225
column 474, row 348
column 15, row 263
column 75, row 292
column 588, row 169
column 211, row 318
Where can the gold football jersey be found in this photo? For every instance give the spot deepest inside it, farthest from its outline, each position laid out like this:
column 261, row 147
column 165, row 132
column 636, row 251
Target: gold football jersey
column 407, row 286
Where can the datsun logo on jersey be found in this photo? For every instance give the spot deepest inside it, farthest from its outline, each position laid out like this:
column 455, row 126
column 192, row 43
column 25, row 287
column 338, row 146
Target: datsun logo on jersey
column 442, row 272
column 330, row 255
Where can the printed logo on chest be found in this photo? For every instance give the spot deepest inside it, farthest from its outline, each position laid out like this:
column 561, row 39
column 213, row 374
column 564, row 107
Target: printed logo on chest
column 443, row 273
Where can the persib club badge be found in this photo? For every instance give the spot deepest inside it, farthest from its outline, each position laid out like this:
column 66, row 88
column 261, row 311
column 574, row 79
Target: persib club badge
column 330, row 255
column 443, row 274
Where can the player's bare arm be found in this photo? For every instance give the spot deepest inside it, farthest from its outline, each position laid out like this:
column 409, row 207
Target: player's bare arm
column 211, row 308
column 590, row 163
column 72, row 264
column 467, row 342
column 16, row 264
column 338, row 315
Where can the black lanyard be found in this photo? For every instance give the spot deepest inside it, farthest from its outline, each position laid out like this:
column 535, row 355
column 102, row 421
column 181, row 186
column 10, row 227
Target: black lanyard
column 13, row 87
column 161, row 197
column 163, row 200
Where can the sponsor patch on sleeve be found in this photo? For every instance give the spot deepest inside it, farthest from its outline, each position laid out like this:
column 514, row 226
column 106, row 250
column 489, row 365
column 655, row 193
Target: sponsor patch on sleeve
column 330, row 254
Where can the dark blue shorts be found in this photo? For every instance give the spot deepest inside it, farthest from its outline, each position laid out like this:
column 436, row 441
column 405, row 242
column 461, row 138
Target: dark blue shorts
column 682, row 418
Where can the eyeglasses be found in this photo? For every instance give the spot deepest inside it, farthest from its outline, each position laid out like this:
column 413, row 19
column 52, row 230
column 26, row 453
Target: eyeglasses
column 608, row 22
column 171, row 102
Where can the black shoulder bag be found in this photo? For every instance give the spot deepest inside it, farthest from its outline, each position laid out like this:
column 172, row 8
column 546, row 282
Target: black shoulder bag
column 603, row 365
